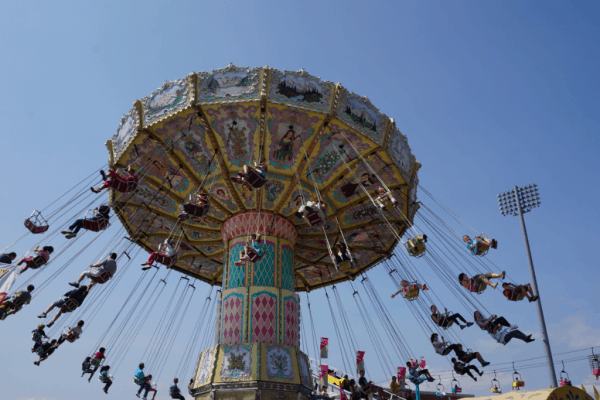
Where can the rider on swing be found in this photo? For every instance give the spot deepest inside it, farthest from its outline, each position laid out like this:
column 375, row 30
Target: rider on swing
column 198, row 199
column 112, row 174
column 243, row 177
column 255, row 245
column 384, row 195
column 480, row 244
column 406, row 287
column 165, row 249
column 414, row 242
column 312, row 206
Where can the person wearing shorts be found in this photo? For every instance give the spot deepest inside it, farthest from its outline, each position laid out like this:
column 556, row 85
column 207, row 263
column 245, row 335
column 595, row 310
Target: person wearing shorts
column 479, row 282
column 517, row 292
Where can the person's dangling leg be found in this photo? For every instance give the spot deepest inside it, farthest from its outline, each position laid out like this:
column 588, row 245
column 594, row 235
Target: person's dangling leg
column 466, row 370
column 481, row 360
column 517, row 334
column 453, row 347
column 500, row 321
column 43, row 315
column 474, row 368
column 456, row 317
column 107, row 385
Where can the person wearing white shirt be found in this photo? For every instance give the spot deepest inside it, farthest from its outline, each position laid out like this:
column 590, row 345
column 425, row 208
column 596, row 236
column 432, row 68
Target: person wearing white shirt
column 165, row 249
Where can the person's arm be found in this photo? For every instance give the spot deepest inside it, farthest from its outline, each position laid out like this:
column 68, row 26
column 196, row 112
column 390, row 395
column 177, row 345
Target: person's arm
column 397, row 293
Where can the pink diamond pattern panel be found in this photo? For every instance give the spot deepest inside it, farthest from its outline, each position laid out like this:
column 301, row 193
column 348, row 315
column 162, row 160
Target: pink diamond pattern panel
column 291, row 316
column 233, row 318
column 264, row 317
column 263, row 223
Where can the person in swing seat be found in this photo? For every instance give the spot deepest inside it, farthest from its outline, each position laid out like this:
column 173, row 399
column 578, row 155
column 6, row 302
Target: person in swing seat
column 243, row 177
column 490, row 324
column 96, row 270
column 415, row 373
column 76, row 331
column 165, row 249
column 503, row 336
column 100, row 213
column 77, row 295
column 407, row 287
column 312, row 206
column 479, row 282
column 443, row 321
column 255, row 246
column 198, row 199
column 46, row 350
column 382, row 196
column 104, row 378
column 517, row 292
column 37, row 335
column 470, row 356
column 15, row 302
column 463, row 369
column 174, row 391
column 480, row 244
column 112, row 174
column 413, row 244
column 44, row 252
column 148, row 380
column 92, row 364
column 342, row 253
column 7, row 258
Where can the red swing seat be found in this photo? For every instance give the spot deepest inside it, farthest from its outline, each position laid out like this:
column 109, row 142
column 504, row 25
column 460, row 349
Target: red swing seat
column 314, row 219
column 255, row 179
column 123, row 184
column 104, row 277
column 254, row 256
column 36, row 262
column 36, row 223
column 95, row 225
column 167, row 261
column 70, row 336
column 196, row 210
column 70, row 305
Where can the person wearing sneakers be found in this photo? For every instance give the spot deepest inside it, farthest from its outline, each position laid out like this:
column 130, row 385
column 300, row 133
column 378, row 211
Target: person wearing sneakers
column 96, row 270
column 105, row 378
column 468, row 357
column 37, row 335
column 477, row 245
column 77, row 295
column 490, row 324
column 76, row 332
column 478, row 282
column 504, row 336
column 518, row 292
column 415, row 372
column 165, row 249
column 101, row 212
column 112, row 174
column 141, row 379
column 46, row 350
column 406, row 287
column 444, row 320
column 463, row 369
column 255, row 245
column 174, row 391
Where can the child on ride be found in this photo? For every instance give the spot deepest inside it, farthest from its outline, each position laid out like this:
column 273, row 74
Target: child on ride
column 112, row 174
column 406, row 287
column 44, row 252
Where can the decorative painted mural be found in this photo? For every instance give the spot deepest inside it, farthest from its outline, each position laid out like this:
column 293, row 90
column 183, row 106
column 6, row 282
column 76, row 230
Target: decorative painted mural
column 169, row 98
column 232, row 318
column 125, row 132
column 358, row 112
column 148, row 193
column 264, row 269
column 305, row 370
column 237, row 274
column 279, row 363
column 203, row 234
column 291, row 320
column 301, row 89
column 237, row 362
column 287, row 270
column 264, row 317
column 288, row 130
column 400, row 152
column 274, row 188
column 221, row 193
column 206, row 367
column 229, row 83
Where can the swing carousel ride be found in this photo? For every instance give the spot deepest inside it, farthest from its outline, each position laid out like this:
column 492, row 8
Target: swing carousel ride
column 266, row 184
column 321, row 144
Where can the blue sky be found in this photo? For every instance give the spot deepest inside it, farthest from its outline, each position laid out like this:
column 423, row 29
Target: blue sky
column 490, row 94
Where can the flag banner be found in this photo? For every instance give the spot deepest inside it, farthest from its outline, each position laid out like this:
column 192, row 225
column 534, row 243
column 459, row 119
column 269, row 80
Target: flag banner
column 324, row 347
column 323, row 375
column 8, row 275
column 401, row 373
column 360, row 361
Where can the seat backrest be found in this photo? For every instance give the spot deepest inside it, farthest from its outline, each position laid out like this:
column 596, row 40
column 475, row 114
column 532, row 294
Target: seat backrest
column 196, row 210
column 70, row 305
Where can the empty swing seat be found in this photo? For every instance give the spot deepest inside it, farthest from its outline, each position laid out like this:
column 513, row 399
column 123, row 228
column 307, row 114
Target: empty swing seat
column 196, row 210
column 70, row 336
column 36, row 262
column 518, row 384
column 167, row 261
column 255, row 179
column 70, row 305
column 95, row 225
column 104, row 277
column 36, row 223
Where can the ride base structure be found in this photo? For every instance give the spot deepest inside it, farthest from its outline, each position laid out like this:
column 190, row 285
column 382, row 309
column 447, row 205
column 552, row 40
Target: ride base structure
column 319, row 142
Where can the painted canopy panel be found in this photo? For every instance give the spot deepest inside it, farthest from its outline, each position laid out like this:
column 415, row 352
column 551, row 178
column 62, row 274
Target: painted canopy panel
column 193, row 134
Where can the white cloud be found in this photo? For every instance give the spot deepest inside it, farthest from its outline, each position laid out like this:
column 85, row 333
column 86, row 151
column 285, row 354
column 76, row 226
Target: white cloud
column 575, row 332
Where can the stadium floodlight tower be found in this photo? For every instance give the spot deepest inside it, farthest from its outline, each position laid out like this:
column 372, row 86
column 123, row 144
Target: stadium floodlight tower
column 519, row 201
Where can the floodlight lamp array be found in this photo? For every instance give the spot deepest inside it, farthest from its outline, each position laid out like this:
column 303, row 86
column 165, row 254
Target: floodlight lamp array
column 528, row 196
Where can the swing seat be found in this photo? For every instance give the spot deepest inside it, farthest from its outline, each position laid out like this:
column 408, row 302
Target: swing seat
column 596, row 373
column 344, row 266
column 418, row 251
column 411, row 295
column 457, row 390
column 314, row 219
column 39, row 351
column 96, row 362
column 518, row 384
column 4, row 309
column 196, row 210
column 70, row 305
column 101, row 378
column 69, row 335
column 122, row 184
column 167, row 261
column 36, row 262
column 253, row 254
column 520, row 297
column 16, row 303
column 36, row 223
column 496, row 390
column 95, row 226
column 104, row 277
column 255, row 179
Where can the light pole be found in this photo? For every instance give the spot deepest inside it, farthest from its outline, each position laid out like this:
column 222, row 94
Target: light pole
column 519, row 201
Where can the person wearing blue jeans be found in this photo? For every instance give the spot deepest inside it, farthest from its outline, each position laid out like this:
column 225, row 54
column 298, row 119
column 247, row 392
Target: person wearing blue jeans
column 101, row 212
column 144, row 385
